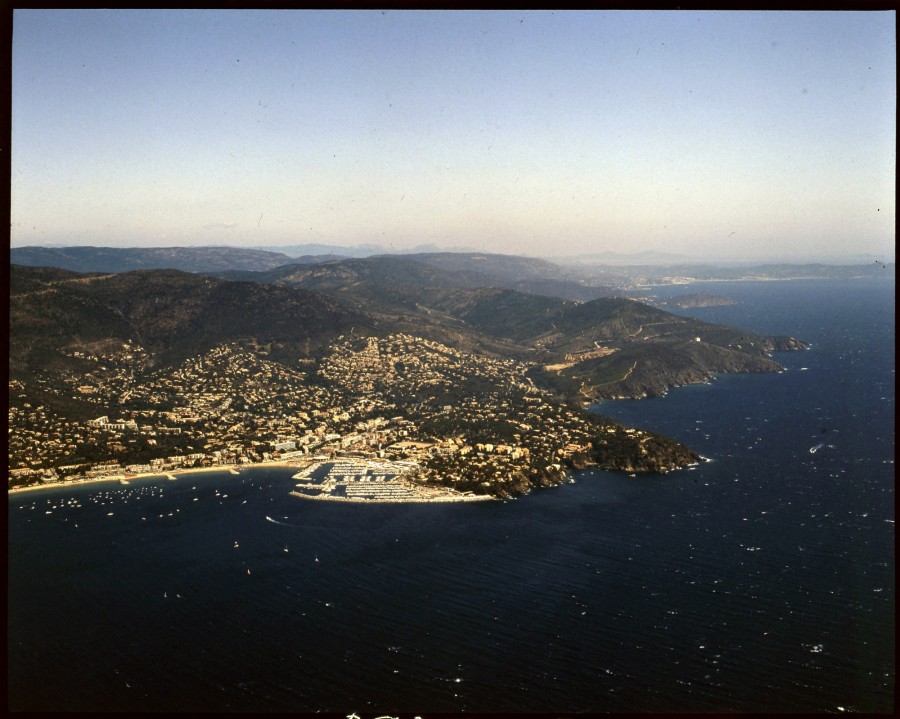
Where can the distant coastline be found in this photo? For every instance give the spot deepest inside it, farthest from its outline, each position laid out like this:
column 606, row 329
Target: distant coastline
column 685, row 281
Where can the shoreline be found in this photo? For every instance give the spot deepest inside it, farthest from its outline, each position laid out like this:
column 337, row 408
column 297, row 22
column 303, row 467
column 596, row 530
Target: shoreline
column 233, row 469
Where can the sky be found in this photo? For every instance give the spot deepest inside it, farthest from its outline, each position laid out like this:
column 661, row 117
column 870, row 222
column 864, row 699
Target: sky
column 711, row 134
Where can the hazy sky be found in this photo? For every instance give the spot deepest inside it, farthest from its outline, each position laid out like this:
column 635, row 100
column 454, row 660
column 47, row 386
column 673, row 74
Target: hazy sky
column 721, row 134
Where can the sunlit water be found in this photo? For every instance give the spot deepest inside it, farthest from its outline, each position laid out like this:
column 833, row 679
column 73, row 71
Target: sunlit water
column 760, row 581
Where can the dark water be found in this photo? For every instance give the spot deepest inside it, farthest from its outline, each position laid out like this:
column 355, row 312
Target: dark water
column 761, row 581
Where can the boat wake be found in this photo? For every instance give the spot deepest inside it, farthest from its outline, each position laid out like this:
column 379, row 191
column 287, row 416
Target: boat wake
column 275, row 521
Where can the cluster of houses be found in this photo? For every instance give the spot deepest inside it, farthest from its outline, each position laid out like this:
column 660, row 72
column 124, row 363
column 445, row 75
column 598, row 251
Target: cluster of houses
column 233, row 405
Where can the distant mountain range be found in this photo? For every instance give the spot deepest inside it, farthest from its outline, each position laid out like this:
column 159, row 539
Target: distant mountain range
column 459, row 270
column 123, row 259
column 366, row 250
column 583, row 278
column 440, row 269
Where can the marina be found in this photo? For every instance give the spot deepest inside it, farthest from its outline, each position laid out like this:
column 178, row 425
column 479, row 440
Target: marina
column 370, row 481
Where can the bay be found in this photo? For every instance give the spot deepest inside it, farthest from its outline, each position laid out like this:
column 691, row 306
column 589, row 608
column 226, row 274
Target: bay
column 759, row 581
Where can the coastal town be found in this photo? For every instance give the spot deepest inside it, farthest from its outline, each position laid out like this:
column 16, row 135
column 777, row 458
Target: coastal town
column 467, row 422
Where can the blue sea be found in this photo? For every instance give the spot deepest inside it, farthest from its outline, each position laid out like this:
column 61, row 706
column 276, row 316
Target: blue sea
column 760, row 581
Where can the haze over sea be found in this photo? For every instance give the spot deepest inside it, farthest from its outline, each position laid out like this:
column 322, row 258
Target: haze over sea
column 760, row 581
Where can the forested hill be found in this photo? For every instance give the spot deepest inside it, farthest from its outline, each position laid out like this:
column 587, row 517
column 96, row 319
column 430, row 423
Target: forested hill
column 602, row 348
column 437, row 270
column 172, row 314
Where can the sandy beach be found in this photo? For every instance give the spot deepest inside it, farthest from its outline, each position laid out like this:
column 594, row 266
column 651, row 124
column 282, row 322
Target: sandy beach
column 151, row 475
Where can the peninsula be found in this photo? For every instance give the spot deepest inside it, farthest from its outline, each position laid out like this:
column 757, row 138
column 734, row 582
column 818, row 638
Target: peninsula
column 481, row 392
